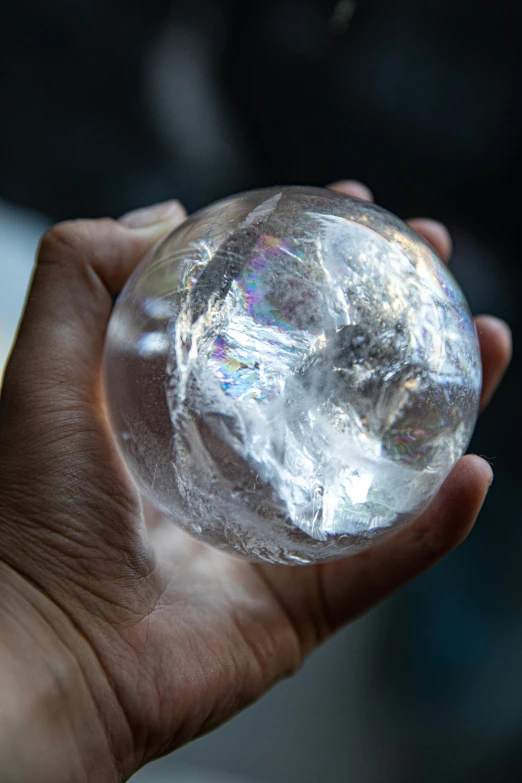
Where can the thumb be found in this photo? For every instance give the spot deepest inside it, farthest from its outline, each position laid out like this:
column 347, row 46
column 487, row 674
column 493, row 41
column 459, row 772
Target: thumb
column 80, row 266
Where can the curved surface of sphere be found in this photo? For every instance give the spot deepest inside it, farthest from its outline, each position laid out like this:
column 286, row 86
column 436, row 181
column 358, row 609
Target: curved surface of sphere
column 292, row 374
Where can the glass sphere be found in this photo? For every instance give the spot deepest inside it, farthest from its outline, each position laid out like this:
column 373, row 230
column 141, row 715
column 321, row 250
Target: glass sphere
column 292, row 374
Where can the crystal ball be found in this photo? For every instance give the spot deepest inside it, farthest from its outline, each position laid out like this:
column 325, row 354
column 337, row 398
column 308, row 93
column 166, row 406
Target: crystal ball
column 292, row 374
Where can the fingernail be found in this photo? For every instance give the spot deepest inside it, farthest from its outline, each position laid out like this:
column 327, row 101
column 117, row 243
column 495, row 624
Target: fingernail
column 154, row 215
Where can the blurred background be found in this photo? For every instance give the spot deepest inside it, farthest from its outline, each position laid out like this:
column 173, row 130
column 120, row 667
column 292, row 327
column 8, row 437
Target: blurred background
column 108, row 105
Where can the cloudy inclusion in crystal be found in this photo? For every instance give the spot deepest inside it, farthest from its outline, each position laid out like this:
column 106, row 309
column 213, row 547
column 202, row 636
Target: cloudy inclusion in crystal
column 292, row 374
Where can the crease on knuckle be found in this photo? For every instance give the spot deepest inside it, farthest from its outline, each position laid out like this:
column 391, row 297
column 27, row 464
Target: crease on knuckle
column 57, row 239
column 69, row 246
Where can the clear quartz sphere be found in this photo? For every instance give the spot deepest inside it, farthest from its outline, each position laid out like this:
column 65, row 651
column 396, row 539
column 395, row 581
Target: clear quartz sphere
column 292, row 374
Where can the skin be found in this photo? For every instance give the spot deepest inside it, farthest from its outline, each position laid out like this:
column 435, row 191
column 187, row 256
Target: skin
column 120, row 637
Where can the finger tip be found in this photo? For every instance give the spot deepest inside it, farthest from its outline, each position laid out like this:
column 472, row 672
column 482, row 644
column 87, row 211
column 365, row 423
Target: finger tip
column 463, row 494
column 354, row 188
column 498, row 329
column 436, row 234
column 496, row 350
column 475, row 470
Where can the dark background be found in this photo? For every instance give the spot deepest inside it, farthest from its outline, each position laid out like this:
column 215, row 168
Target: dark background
column 106, row 106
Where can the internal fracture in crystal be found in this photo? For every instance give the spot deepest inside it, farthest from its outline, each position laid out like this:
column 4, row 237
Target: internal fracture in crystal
column 292, row 374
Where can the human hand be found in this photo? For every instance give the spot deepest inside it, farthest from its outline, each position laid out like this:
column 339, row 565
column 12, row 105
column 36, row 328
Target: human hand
column 120, row 642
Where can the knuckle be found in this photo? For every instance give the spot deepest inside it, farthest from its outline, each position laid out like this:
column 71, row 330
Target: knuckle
column 57, row 238
column 69, row 254
column 60, row 248
column 69, row 240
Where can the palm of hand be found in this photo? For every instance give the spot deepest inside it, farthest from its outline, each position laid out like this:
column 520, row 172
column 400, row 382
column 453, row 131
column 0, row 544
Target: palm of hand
column 173, row 637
